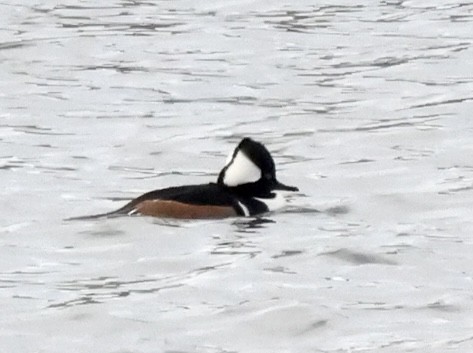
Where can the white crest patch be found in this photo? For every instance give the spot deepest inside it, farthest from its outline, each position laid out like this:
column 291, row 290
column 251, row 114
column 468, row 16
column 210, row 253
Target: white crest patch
column 241, row 170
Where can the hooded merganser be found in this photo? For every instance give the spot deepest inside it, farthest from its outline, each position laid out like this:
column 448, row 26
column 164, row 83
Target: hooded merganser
column 245, row 187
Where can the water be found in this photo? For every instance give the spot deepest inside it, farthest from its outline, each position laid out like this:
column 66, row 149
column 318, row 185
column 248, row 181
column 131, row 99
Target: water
column 366, row 107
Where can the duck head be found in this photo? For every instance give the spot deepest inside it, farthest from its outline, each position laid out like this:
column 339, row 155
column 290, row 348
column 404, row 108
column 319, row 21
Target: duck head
column 250, row 170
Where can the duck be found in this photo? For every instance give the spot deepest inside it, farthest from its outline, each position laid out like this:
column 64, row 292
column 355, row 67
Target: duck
column 246, row 186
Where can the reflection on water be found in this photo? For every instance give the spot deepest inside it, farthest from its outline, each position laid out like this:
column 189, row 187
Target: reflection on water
column 358, row 258
column 366, row 108
column 251, row 225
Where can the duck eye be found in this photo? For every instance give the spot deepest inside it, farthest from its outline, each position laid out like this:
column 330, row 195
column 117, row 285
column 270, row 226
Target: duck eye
column 267, row 176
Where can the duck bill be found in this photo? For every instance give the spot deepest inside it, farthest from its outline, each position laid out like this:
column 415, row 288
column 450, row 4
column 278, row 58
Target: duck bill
column 281, row 186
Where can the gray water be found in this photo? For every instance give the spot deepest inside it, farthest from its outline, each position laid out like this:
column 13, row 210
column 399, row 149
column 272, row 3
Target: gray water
column 366, row 107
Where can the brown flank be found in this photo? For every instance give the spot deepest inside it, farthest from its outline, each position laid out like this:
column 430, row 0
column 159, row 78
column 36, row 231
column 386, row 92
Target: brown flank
column 174, row 209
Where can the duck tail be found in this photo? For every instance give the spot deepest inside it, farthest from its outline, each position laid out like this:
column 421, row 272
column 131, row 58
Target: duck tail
column 126, row 210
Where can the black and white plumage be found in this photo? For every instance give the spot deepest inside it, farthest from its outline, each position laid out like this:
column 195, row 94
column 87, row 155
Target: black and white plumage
column 246, row 186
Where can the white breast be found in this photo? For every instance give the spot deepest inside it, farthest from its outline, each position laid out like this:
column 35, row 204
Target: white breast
column 275, row 203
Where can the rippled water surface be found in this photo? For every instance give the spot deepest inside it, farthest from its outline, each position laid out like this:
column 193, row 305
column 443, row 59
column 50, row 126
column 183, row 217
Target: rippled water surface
column 367, row 108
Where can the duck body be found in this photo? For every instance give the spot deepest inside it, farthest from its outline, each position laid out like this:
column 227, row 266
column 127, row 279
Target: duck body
column 194, row 201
